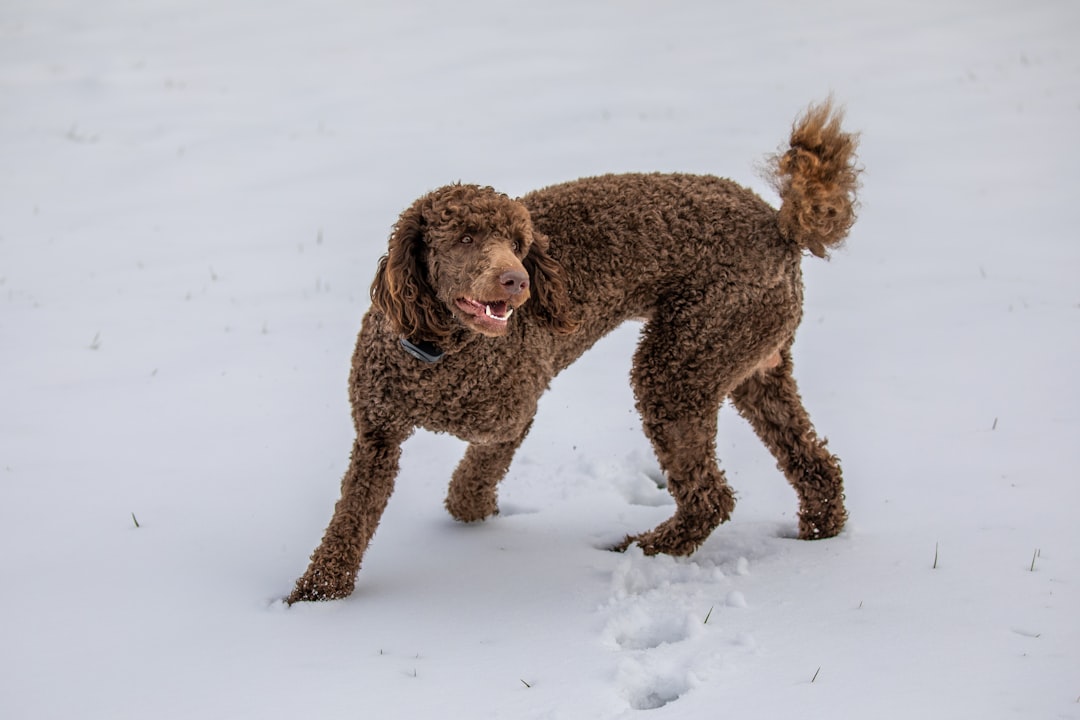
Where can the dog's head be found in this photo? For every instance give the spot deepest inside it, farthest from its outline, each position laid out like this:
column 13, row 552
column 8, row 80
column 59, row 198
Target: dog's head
column 467, row 256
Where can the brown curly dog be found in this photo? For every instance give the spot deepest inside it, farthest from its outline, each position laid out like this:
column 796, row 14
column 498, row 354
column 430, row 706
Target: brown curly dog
column 481, row 300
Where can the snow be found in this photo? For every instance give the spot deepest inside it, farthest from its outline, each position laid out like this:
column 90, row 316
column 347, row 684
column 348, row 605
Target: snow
column 193, row 198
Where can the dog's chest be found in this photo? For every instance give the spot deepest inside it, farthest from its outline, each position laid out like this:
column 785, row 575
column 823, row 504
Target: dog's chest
column 469, row 399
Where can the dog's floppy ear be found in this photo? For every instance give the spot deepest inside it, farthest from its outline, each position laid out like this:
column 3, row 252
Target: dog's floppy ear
column 548, row 286
column 401, row 290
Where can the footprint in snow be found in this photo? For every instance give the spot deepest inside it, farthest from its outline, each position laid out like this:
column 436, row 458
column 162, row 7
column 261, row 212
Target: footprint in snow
column 636, row 628
column 668, row 618
column 640, row 482
column 650, row 683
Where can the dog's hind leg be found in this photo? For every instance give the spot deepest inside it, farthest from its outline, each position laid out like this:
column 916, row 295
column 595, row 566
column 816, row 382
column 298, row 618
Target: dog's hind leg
column 686, row 449
column 365, row 490
column 769, row 400
column 473, row 488
column 685, row 365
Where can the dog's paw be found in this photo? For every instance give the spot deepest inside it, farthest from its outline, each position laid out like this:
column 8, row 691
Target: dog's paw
column 318, row 586
column 679, row 535
column 669, row 540
column 818, row 526
column 661, row 542
column 315, row 594
column 471, row 509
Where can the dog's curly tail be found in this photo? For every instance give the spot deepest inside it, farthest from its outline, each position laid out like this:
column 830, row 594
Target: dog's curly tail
column 817, row 179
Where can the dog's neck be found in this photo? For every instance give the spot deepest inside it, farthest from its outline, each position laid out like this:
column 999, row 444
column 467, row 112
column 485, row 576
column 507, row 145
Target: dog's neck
column 423, row 350
column 432, row 351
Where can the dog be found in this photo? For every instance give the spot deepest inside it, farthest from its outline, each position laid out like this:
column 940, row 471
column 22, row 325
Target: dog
column 482, row 299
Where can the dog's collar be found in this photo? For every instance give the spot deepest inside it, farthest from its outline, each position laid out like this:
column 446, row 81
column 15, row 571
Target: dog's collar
column 423, row 350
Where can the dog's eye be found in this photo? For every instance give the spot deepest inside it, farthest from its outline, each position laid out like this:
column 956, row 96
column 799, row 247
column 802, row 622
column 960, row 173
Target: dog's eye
column 515, row 246
column 466, row 239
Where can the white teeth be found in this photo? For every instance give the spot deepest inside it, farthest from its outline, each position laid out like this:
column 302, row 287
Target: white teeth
column 493, row 316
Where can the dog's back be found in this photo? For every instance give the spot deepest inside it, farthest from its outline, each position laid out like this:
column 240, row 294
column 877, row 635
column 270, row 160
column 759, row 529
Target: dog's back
column 633, row 244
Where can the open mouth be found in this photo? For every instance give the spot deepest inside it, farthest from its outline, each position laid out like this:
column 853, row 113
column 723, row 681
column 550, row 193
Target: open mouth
column 493, row 314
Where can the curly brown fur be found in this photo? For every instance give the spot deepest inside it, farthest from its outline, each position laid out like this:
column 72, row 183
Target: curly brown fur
column 510, row 292
column 817, row 178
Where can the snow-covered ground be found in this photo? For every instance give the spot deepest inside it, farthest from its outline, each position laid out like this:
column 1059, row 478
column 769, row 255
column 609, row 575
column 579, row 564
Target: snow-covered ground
column 193, row 196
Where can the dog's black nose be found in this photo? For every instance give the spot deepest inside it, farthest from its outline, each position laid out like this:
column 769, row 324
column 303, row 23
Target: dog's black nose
column 514, row 281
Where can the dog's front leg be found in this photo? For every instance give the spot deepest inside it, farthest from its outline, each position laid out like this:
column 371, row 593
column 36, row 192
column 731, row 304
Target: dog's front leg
column 473, row 489
column 365, row 490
